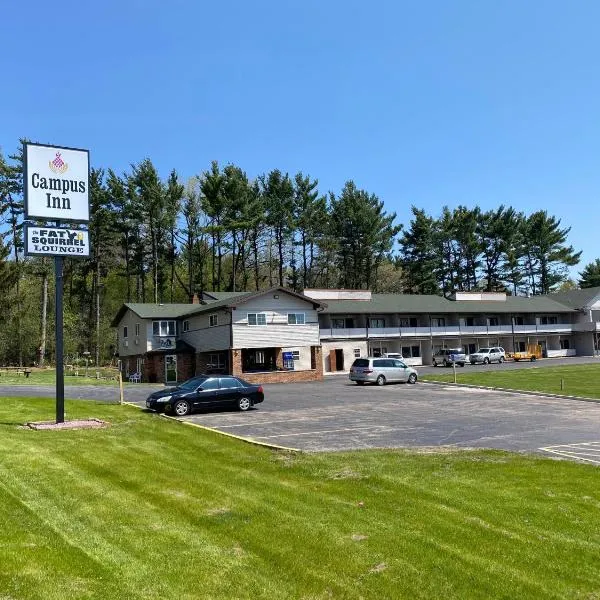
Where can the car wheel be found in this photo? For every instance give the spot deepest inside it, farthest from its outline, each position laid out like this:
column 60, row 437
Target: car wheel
column 434, row 364
column 446, row 363
column 461, row 364
column 380, row 380
column 244, row 403
column 412, row 378
column 501, row 359
column 360, row 383
column 182, row 408
column 486, row 361
column 532, row 359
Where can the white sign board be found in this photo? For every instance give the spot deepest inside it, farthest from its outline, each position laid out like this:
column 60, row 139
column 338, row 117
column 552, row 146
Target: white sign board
column 56, row 183
column 56, row 241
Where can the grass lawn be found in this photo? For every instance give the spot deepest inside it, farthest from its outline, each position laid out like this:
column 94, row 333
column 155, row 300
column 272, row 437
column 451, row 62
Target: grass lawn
column 579, row 380
column 48, row 377
column 150, row 508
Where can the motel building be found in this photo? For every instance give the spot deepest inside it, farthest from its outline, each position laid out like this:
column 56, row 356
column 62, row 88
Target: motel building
column 277, row 335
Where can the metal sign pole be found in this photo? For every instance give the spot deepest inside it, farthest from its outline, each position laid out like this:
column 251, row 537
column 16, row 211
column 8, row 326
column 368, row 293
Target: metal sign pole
column 60, row 373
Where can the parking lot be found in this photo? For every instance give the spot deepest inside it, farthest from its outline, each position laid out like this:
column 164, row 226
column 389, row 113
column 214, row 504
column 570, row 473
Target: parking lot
column 338, row 415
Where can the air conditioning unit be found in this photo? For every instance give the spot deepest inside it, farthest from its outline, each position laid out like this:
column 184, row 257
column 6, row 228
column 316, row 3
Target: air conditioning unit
column 126, row 343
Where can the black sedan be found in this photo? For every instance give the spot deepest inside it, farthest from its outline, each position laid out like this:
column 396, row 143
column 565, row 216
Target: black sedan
column 206, row 391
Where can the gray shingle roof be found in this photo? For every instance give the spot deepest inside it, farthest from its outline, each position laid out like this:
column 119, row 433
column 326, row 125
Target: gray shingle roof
column 414, row 303
column 215, row 296
column 577, row 298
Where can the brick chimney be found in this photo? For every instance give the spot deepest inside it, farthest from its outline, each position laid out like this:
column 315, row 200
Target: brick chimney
column 194, row 299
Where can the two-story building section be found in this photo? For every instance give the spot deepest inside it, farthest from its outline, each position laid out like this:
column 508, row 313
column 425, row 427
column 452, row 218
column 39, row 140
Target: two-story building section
column 357, row 323
column 265, row 336
column 279, row 335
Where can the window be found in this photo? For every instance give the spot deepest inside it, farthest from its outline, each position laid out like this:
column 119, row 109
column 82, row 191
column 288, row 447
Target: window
column 213, row 320
column 377, row 323
column 438, row 322
column 229, row 383
column 257, row 319
column 409, row 322
column 356, row 352
column 493, row 321
column 379, row 351
column 381, row 363
column 216, row 361
column 471, row 348
column 210, row 384
column 520, row 347
column 342, row 323
column 125, row 332
column 259, row 357
column 163, row 328
column 295, row 318
column 137, row 329
column 470, row 321
column 565, row 344
column 296, row 354
column 518, row 320
column 186, row 326
column 411, row 351
column 548, row 320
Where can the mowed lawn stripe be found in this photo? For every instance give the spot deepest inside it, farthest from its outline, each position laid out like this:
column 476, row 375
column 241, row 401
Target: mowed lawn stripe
column 148, row 508
column 578, row 380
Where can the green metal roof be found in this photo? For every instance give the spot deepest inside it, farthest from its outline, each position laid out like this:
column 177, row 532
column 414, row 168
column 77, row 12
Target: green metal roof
column 210, row 297
column 417, row 303
column 577, row 298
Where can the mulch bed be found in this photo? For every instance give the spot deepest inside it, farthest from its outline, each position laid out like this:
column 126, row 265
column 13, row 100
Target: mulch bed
column 76, row 424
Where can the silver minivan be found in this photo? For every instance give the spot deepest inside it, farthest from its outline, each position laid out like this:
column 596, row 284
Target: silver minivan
column 381, row 371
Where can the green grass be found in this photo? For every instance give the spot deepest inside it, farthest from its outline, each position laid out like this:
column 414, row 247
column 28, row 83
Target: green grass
column 578, row 380
column 48, row 377
column 150, row 508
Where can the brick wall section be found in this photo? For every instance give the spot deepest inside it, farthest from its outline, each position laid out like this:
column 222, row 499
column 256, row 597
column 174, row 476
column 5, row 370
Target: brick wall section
column 186, row 366
column 278, row 358
column 316, row 360
column 235, row 360
column 281, row 376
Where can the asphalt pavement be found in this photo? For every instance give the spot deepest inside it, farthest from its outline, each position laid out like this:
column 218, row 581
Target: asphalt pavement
column 337, row 415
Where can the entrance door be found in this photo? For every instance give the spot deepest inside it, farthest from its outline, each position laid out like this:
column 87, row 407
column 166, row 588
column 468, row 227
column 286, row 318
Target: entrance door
column 339, row 359
column 544, row 346
column 171, row 368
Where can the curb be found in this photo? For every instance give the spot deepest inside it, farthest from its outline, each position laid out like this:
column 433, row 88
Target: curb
column 512, row 391
column 224, row 433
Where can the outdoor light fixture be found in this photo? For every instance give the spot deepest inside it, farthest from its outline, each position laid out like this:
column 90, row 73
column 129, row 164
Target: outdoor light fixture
column 276, row 296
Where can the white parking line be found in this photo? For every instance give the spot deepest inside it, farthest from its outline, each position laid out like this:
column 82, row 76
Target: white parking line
column 579, row 451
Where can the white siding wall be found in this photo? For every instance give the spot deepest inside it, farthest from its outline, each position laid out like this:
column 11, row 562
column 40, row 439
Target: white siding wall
column 303, row 363
column 276, row 333
column 135, row 344
column 205, row 338
column 348, row 349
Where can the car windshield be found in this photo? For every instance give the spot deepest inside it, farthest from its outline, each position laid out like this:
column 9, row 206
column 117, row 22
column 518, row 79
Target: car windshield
column 455, row 350
column 482, row 350
column 192, row 384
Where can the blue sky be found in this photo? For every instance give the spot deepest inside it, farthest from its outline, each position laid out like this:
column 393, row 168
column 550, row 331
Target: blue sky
column 423, row 102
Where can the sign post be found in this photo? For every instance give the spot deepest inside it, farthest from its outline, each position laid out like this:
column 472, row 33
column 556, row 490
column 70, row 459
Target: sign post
column 56, row 184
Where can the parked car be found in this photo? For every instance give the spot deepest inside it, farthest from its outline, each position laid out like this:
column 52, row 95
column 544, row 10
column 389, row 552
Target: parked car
column 488, row 355
column 447, row 356
column 206, row 391
column 381, row 371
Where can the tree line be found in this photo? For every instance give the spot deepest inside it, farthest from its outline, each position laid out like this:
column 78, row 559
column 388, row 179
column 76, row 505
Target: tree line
column 163, row 240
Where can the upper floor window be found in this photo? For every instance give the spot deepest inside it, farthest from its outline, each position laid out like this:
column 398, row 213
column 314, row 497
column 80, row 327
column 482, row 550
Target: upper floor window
column 342, row 323
column 438, row 322
column 125, row 332
column 213, row 320
column 492, row 321
column 163, row 328
column 137, row 329
column 186, row 326
column 408, row 322
column 518, row 320
column 548, row 320
column 469, row 321
column 257, row 319
column 377, row 323
column 295, row 318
